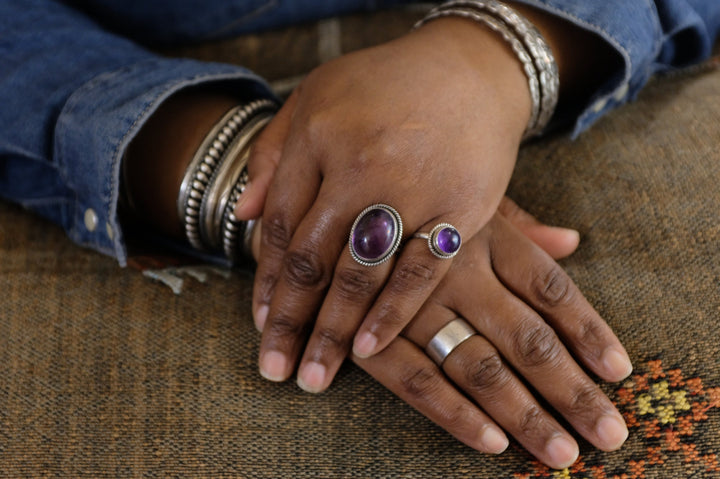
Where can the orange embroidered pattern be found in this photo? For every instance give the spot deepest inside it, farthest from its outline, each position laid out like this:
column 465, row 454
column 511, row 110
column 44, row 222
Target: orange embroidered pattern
column 665, row 412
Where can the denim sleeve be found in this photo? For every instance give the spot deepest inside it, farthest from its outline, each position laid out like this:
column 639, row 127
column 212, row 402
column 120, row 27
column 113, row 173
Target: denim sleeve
column 73, row 96
column 650, row 36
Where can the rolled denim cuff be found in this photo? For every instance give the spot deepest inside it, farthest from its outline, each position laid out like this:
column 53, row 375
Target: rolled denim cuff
column 644, row 34
column 99, row 121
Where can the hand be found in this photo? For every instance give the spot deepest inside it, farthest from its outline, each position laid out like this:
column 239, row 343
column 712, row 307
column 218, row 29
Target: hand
column 530, row 318
column 429, row 124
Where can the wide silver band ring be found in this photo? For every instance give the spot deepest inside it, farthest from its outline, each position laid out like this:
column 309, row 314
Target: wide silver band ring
column 448, row 338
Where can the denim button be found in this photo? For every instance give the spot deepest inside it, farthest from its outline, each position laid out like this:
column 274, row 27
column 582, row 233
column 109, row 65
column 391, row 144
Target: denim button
column 91, row 219
column 599, row 105
column 621, row 92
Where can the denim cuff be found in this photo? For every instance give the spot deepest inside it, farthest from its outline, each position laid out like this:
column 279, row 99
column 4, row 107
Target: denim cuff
column 99, row 121
column 643, row 33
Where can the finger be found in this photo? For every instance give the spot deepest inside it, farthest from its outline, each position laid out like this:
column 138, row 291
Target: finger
column 352, row 292
column 264, row 159
column 416, row 274
column 543, row 285
column 557, row 242
column 292, row 193
column 304, row 275
column 411, row 375
column 477, row 368
column 533, row 349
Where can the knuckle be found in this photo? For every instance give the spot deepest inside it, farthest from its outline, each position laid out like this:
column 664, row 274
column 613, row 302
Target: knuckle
column 455, row 418
column 413, row 276
column 354, row 284
column 264, row 287
column 584, row 400
column 318, row 125
column 487, row 374
column 536, row 344
column 390, row 316
column 531, row 420
column 304, row 268
column 552, row 286
column 330, row 338
column 590, row 334
column 420, row 382
column 276, row 231
column 284, row 326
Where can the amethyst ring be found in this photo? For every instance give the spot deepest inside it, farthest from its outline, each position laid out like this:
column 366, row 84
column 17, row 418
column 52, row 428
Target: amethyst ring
column 376, row 234
column 443, row 240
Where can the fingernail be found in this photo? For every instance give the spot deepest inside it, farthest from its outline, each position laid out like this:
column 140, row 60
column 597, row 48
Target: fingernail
column 364, row 345
column 261, row 316
column 311, row 377
column 572, row 236
column 567, row 231
column 617, row 363
column 273, row 366
column 495, row 441
column 563, row 452
column 611, row 431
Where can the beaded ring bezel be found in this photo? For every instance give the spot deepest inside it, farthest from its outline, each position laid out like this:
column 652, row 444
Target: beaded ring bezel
column 433, row 244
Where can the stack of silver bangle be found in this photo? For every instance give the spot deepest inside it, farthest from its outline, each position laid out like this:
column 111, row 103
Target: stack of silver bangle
column 526, row 42
column 215, row 180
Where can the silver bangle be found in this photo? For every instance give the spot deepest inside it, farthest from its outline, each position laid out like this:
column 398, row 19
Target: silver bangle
column 215, row 168
column 199, row 173
column 546, row 71
column 231, row 231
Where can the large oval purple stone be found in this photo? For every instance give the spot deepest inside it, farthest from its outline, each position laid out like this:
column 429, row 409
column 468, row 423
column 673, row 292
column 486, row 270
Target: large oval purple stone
column 448, row 240
column 374, row 235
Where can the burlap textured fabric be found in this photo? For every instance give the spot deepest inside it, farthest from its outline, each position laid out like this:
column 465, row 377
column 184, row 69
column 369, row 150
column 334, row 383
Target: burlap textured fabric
column 105, row 373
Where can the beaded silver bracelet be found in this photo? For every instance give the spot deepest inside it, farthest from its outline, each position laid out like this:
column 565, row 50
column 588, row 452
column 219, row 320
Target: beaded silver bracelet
column 545, row 71
column 217, row 166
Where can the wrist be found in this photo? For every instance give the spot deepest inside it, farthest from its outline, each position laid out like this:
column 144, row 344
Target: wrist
column 490, row 60
column 186, row 169
column 158, row 156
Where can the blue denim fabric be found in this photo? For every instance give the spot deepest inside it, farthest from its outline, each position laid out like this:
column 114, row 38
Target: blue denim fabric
column 76, row 86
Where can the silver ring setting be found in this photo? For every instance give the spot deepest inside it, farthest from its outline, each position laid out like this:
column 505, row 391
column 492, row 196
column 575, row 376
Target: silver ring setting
column 450, row 336
column 375, row 235
column 443, row 240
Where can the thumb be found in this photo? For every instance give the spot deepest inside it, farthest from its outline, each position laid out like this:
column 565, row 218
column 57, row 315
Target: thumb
column 264, row 159
column 557, row 242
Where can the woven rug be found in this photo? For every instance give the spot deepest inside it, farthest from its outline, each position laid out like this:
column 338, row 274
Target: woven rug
column 105, row 373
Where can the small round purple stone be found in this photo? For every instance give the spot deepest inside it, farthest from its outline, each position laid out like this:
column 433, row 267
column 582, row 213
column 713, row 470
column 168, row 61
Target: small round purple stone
column 448, row 240
column 374, row 235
